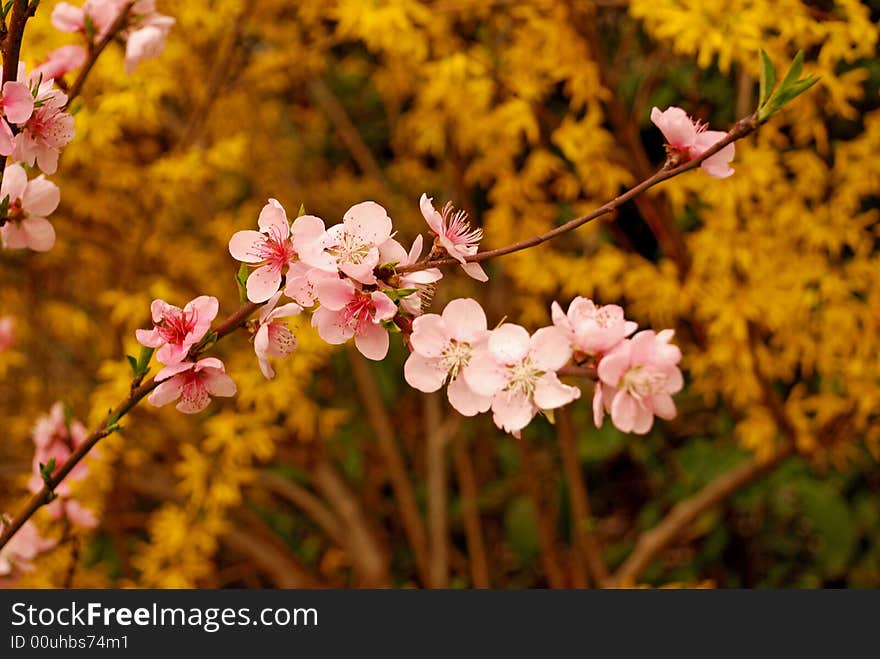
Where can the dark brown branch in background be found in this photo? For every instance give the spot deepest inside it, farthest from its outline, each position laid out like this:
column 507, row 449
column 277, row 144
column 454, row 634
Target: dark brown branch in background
column 468, row 492
column 378, row 418
column 438, row 433
column 581, row 517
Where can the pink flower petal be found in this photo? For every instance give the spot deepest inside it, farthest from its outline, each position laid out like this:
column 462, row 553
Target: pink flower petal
column 423, row 373
column 598, row 406
column 245, row 246
column 193, row 397
column 465, row 320
column 432, row 216
column 41, row 197
column 663, row 406
column 273, row 220
column 624, row 410
column 372, row 341
column 384, row 307
column 218, row 383
column 18, row 102
column 369, row 221
column 334, row 293
column 483, row 374
column 166, row 392
column 40, row 233
column 509, row 343
column 15, row 181
column 475, row 271
column 678, row 129
column 549, row 348
column 263, row 283
column 550, row 393
column 613, row 365
column 512, row 410
column 173, row 369
column 429, row 337
column 465, row 400
column 331, row 326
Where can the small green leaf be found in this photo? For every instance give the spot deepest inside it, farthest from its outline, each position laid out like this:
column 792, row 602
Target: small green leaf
column 241, row 281
column 47, row 469
column 89, row 25
column 768, row 78
column 302, row 210
column 400, row 293
column 4, row 207
column 550, row 415
column 143, row 362
column 794, row 71
column 391, row 326
column 133, row 363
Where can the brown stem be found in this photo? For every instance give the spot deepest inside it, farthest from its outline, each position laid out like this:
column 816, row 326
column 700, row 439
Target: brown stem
column 684, row 513
column 546, row 536
column 106, row 427
column 369, row 559
column 307, row 502
column 468, row 492
column 581, row 517
column 741, row 129
column 438, row 436
column 383, row 428
column 95, row 51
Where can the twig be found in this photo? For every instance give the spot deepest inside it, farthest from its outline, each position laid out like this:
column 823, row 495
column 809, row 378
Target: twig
column 438, row 435
column 307, row 502
column 467, row 488
column 378, row 418
column 653, row 541
column 95, row 51
column 741, row 129
column 581, row 517
column 106, row 427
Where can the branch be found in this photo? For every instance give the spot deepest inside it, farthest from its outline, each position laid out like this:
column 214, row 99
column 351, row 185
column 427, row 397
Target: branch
column 95, row 51
column 741, row 129
column 653, row 541
column 107, row 427
column 468, row 491
column 10, row 48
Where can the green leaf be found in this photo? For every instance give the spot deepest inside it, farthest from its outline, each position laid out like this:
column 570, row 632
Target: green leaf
column 794, row 71
column 302, row 210
column 47, row 469
column 241, row 281
column 768, row 78
column 143, row 362
column 4, row 207
column 6, row 8
column 133, row 363
column 89, row 25
column 400, row 293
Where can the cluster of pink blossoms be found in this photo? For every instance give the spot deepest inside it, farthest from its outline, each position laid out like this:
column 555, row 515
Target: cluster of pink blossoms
column 687, row 139
column 144, row 32
column 34, row 123
column 55, row 438
column 19, row 553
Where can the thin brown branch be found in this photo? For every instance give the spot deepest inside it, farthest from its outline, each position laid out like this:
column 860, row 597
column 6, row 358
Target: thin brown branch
column 468, row 492
column 741, row 129
column 307, row 502
column 581, row 517
column 106, row 427
column 95, row 51
column 379, row 420
column 370, row 560
column 549, row 554
column 684, row 513
column 438, row 433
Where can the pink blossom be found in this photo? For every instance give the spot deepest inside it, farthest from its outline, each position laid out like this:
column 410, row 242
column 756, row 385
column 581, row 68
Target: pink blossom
column 276, row 246
column 16, row 106
column 689, row 139
column 7, row 333
column 347, row 312
column 29, row 204
column 20, row 552
column 300, row 283
column 455, row 234
column 637, row 380
column 590, row 329
column 48, row 129
column 354, row 244
column 60, row 61
column 442, row 348
column 519, row 372
column 423, row 281
column 147, row 41
column 273, row 338
column 176, row 330
column 55, row 438
column 194, row 383
column 101, row 13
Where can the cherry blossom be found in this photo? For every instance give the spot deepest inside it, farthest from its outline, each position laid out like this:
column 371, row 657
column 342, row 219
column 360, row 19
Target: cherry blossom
column 392, row 252
column 591, row 329
column 276, row 246
column 455, row 235
column 442, row 348
column 147, row 41
column 56, row 438
column 519, row 372
column 354, row 244
column 16, row 106
column 194, row 383
column 688, row 139
column 176, row 330
column 637, row 380
column 60, row 61
column 22, row 549
column 101, row 15
column 273, row 338
column 29, row 203
column 7, row 333
column 48, row 130
column 347, row 311
column 301, row 281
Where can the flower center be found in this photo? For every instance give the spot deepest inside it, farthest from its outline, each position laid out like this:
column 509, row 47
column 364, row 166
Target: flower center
column 275, row 250
column 358, row 312
column 350, row 249
column 457, row 228
column 176, row 324
column 524, row 376
column 455, row 357
column 640, row 381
